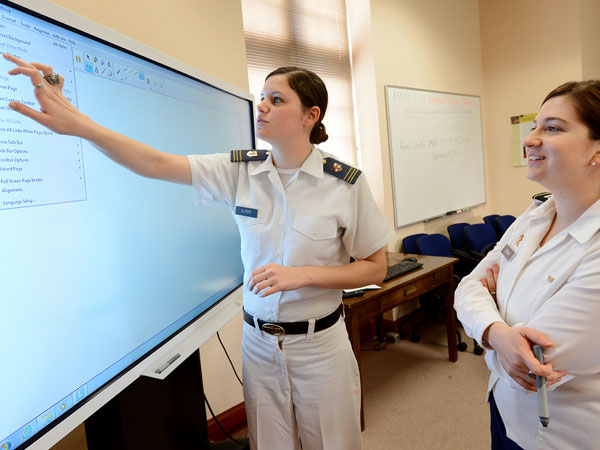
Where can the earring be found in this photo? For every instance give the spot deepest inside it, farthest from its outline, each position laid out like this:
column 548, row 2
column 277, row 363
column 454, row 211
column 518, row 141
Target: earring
column 593, row 163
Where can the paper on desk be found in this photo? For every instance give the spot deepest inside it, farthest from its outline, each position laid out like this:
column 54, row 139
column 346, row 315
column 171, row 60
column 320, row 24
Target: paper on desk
column 364, row 288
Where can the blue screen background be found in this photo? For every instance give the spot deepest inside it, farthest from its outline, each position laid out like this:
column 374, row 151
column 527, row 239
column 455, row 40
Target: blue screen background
column 102, row 260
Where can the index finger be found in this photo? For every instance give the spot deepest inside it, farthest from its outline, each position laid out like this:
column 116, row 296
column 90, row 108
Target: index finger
column 495, row 270
column 45, row 68
column 14, row 59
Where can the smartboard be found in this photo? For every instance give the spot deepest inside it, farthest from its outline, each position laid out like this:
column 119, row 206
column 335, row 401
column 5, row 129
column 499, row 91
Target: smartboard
column 436, row 153
column 105, row 275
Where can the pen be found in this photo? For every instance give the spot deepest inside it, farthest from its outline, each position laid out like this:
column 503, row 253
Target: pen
column 541, row 390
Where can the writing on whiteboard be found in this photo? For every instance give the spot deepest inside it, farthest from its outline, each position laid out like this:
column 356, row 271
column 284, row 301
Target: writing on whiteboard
column 436, row 153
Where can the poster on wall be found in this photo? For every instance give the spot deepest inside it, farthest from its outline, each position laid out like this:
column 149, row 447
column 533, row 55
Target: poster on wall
column 521, row 127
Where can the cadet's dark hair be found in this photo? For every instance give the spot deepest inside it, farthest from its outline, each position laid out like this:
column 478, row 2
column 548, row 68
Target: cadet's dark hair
column 585, row 96
column 312, row 92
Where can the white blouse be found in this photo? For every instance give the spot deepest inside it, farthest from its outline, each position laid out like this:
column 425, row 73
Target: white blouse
column 554, row 289
column 316, row 220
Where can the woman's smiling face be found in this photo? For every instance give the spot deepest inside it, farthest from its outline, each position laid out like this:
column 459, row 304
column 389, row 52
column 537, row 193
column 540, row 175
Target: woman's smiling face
column 559, row 149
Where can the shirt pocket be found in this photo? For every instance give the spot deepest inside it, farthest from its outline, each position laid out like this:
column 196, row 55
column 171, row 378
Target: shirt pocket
column 251, row 221
column 314, row 241
column 315, row 228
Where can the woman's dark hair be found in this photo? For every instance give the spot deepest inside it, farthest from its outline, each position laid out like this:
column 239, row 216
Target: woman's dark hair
column 585, row 96
column 312, row 92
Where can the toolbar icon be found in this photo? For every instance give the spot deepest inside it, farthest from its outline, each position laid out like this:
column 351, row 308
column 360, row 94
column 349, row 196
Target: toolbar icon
column 79, row 394
column 27, row 432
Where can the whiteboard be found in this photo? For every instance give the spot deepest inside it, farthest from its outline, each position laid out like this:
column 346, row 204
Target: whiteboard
column 436, row 153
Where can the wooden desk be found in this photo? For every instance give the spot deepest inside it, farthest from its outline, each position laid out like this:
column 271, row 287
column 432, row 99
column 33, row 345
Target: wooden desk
column 437, row 272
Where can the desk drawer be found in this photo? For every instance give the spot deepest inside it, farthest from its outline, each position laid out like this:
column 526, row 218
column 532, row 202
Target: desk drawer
column 408, row 292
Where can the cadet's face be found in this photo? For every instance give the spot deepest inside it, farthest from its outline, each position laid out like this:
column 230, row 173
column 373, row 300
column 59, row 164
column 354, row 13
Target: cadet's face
column 281, row 115
column 559, row 150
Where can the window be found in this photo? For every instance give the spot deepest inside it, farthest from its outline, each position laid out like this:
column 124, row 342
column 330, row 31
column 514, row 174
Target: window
column 310, row 34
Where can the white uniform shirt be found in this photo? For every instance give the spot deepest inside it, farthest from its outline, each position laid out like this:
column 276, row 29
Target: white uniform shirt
column 316, row 220
column 554, row 289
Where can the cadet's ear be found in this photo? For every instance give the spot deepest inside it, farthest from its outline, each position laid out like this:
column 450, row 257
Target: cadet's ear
column 312, row 115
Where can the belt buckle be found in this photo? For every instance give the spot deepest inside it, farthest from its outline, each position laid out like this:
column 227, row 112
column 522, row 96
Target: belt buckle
column 272, row 329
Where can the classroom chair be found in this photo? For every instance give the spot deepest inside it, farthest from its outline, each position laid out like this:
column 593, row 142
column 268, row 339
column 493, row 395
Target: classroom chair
column 503, row 222
column 410, row 243
column 458, row 238
column 482, row 238
column 491, row 221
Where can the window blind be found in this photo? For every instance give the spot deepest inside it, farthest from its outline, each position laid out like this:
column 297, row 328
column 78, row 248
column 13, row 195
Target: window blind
column 313, row 35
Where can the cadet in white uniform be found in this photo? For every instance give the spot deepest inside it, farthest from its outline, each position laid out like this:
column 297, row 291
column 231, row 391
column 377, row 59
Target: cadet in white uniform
column 310, row 377
column 302, row 215
column 548, row 286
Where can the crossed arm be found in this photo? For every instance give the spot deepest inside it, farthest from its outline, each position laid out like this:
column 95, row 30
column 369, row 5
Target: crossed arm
column 512, row 344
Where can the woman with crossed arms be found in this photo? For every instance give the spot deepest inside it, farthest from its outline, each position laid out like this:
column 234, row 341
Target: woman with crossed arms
column 547, row 270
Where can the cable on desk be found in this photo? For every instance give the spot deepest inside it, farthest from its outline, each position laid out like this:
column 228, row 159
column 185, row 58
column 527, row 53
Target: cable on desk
column 230, row 362
column 219, row 424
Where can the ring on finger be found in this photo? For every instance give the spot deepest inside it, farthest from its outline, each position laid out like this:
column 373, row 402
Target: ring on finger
column 531, row 375
column 53, row 78
column 492, row 292
column 39, row 85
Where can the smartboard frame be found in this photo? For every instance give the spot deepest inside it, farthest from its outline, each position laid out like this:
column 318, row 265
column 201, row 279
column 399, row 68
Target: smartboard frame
column 173, row 349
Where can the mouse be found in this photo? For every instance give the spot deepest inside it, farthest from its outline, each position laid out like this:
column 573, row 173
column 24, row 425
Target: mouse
column 410, row 259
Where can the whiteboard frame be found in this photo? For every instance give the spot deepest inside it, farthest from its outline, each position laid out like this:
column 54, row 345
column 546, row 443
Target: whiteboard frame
column 397, row 223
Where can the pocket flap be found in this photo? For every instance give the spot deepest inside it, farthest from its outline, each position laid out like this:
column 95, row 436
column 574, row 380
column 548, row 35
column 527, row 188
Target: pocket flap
column 316, row 228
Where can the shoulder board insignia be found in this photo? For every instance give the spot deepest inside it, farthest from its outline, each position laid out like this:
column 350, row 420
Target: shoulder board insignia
column 249, row 155
column 541, row 197
column 340, row 170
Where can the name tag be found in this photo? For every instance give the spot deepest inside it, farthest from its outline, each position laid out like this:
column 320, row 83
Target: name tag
column 508, row 252
column 247, row 212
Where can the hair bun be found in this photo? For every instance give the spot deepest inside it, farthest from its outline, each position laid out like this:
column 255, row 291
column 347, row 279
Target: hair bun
column 318, row 134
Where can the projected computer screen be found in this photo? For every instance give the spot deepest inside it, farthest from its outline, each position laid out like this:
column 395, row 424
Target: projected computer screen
column 99, row 265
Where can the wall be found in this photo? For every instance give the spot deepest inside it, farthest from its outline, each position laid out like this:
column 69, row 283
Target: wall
column 427, row 44
column 590, row 37
column 367, row 115
column 529, row 47
column 188, row 32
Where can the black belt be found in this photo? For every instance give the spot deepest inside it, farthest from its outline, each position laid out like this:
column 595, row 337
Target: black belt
column 280, row 328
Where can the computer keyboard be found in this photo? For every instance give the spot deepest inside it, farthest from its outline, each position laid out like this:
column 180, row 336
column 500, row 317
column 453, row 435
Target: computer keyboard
column 401, row 268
